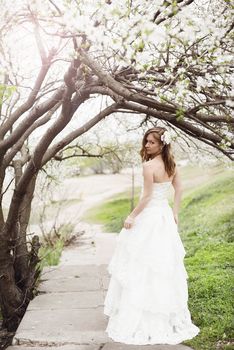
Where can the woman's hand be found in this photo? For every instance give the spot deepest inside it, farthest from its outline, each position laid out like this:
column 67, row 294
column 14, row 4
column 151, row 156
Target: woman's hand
column 128, row 223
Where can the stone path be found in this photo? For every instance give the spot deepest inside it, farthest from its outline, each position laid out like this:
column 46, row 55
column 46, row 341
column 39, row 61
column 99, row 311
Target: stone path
column 67, row 314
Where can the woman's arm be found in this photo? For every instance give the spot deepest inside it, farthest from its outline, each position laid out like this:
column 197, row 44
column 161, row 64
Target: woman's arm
column 177, row 184
column 147, row 193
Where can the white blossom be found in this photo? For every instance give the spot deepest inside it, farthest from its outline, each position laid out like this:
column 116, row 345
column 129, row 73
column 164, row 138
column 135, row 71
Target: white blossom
column 201, row 83
column 229, row 103
column 166, row 137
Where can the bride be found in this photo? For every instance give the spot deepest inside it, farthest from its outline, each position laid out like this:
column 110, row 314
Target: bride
column 147, row 296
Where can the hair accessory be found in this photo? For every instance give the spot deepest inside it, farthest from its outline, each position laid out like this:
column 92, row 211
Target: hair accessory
column 166, row 137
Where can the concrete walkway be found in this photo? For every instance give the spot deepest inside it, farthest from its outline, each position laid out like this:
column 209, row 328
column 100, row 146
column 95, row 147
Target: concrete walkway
column 67, row 314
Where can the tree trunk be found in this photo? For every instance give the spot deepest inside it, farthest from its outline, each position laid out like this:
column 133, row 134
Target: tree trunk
column 11, row 297
column 21, row 263
column 18, row 272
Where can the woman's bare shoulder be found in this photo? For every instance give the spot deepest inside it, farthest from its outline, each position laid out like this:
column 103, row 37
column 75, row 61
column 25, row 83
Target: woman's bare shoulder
column 146, row 166
column 151, row 164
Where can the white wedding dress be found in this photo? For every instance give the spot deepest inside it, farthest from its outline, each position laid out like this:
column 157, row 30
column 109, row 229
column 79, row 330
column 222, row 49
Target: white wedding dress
column 147, row 296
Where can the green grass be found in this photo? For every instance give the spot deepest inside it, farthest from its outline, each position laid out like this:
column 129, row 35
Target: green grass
column 206, row 215
column 206, row 225
column 113, row 212
column 210, row 294
column 50, row 252
column 207, row 231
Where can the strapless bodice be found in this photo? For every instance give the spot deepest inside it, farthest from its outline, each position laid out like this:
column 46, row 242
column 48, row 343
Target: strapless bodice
column 161, row 190
column 160, row 193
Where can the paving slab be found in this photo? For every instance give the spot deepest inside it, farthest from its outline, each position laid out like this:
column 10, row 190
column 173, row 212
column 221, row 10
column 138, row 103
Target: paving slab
column 97, row 253
column 60, row 327
column 67, row 301
column 65, row 285
column 70, row 271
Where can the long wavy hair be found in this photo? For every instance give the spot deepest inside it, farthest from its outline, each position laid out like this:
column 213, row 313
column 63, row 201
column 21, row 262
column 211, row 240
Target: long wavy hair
column 166, row 152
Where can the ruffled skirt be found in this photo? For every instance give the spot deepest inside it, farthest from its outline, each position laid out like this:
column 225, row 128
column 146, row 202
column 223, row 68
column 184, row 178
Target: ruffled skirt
column 147, row 296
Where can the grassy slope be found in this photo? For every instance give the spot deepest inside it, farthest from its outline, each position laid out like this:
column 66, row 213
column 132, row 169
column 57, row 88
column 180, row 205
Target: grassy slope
column 206, row 227
column 112, row 213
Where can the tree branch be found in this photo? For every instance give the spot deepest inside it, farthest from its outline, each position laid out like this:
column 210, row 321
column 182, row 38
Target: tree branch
column 51, row 152
column 172, row 13
column 30, row 101
column 33, row 115
column 118, row 88
column 17, row 146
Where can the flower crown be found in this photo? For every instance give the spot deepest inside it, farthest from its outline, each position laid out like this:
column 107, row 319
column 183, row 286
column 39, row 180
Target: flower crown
column 166, row 137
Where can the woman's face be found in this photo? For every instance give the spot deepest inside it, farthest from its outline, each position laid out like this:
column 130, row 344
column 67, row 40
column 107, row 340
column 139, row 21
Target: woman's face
column 152, row 146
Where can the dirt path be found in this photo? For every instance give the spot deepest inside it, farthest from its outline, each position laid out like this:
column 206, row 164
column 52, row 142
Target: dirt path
column 86, row 192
